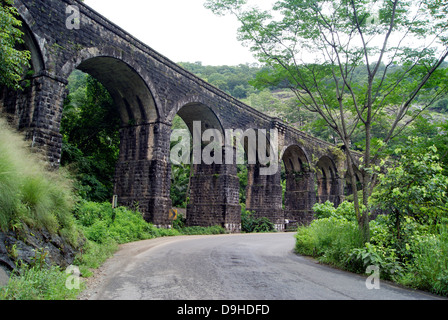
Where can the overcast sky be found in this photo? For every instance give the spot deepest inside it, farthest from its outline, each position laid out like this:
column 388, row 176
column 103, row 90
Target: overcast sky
column 181, row 30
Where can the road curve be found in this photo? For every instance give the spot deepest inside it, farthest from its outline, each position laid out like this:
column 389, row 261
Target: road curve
column 229, row 267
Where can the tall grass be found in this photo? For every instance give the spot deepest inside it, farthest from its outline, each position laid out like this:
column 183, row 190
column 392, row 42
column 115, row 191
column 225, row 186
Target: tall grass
column 430, row 268
column 29, row 192
column 35, row 283
column 330, row 240
column 419, row 259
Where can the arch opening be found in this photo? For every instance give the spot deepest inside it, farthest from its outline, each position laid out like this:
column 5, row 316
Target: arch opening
column 14, row 104
column 104, row 123
column 202, row 184
column 126, row 87
column 348, row 187
column 298, row 187
column 327, row 181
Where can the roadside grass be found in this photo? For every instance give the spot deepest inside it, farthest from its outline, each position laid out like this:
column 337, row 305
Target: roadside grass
column 104, row 230
column 419, row 259
column 31, row 194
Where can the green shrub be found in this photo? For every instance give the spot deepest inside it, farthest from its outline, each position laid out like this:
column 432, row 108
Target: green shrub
column 371, row 255
column 429, row 270
column 345, row 210
column 324, row 210
column 328, row 239
column 101, row 222
column 179, row 223
column 94, row 254
column 251, row 224
column 9, row 185
column 36, row 283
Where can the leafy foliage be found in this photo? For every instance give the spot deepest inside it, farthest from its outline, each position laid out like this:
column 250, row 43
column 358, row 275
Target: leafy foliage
column 180, row 180
column 90, row 129
column 101, row 223
column 345, row 210
column 415, row 186
column 251, row 224
column 234, row 80
column 12, row 60
column 328, row 239
column 319, row 47
column 37, row 283
column 409, row 242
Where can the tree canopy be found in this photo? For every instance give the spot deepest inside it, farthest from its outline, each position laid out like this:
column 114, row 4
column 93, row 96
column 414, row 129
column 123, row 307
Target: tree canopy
column 12, row 60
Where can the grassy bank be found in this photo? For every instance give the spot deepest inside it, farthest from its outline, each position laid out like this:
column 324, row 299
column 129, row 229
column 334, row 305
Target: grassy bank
column 419, row 259
column 30, row 194
column 103, row 229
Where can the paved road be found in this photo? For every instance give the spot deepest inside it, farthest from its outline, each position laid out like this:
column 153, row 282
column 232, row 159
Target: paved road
column 229, row 267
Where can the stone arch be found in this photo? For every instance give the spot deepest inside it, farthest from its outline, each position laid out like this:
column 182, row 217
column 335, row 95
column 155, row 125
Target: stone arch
column 199, row 112
column 15, row 104
column 130, row 91
column 214, row 187
column 299, row 193
column 264, row 191
column 328, row 182
column 141, row 171
column 32, row 43
column 348, row 188
column 295, row 159
column 195, row 108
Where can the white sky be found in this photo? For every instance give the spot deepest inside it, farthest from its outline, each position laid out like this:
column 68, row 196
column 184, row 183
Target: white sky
column 181, row 30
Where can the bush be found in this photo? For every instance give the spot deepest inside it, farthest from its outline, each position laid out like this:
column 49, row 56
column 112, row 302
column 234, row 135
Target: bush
column 373, row 255
column 101, row 223
column 409, row 244
column 94, row 254
column 330, row 240
column 345, row 210
column 429, row 270
column 251, row 224
column 414, row 187
column 36, row 283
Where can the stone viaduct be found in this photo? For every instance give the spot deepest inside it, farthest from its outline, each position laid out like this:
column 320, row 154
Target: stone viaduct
column 150, row 90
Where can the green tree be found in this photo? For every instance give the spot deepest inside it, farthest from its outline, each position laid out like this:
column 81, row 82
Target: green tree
column 431, row 133
column 12, row 61
column 90, row 129
column 322, row 49
column 414, row 186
